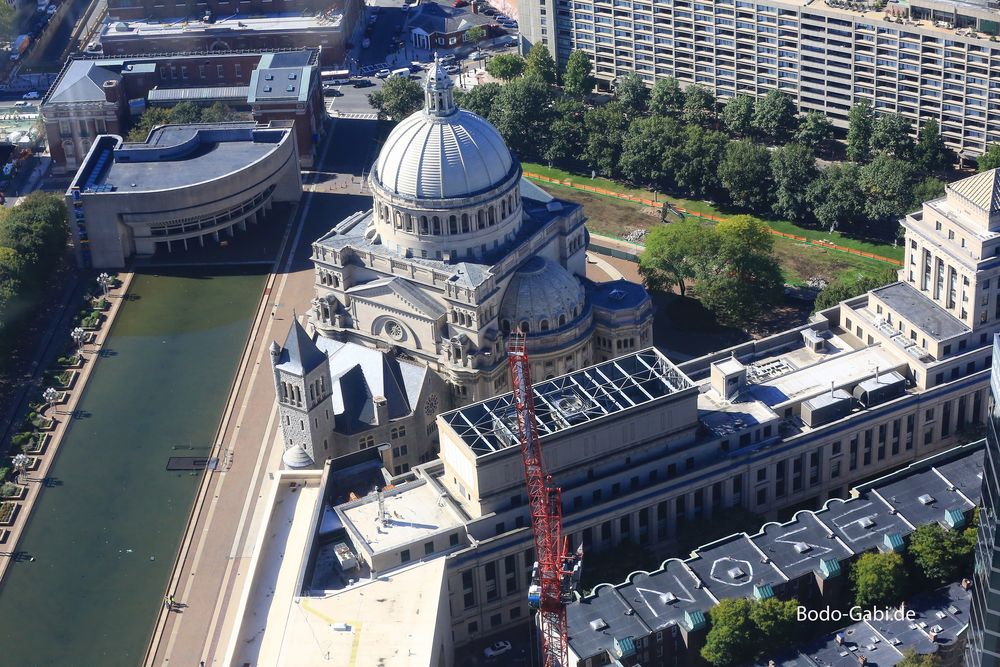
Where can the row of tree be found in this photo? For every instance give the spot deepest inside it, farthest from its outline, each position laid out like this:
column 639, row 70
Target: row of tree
column 32, row 246
column 743, row 631
column 185, row 112
column 676, row 141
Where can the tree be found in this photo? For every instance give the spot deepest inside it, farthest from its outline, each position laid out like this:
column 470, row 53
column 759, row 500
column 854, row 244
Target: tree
column 578, row 79
column 774, row 116
column 666, row 97
column 646, row 149
column 913, row 659
column 878, row 579
column 940, row 553
column 745, row 172
column 476, row 33
column 606, row 127
column 836, row 198
column 891, row 135
column 990, row 159
column 697, row 159
column 506, row 66
column 218, row 113
column 568, row 134
column 886, row 183
column 699, row 105
column 7, row 21
column 398, row 98
column 931, row 154
column 737, row 116
column 850, row 286
column 859, row 131
column 741, row 279
column 775, row 621
column 541, row 64
column 523, row 115
column 731, row 639
column 815, row 131
column 793, row 168
column 185, row 112
column 672, row 254
column 632, row 93
column 926, row 190
column 481, row 100
column 149, row 119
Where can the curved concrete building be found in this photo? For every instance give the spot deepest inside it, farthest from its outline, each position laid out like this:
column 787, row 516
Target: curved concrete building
column 185, row 185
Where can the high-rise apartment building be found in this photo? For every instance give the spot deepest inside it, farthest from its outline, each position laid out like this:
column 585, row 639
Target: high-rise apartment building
column 983, row 649
column 923, row 59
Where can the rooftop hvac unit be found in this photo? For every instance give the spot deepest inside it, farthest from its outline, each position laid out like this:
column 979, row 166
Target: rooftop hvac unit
column 735, row 573
column 879, row 389
column 867, row 522
column 926, row 499
column 598, row 624
column 825, row 408
column 802, row 547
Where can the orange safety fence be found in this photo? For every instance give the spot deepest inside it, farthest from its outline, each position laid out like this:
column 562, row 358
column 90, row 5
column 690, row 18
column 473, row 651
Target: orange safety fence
column 649, row 202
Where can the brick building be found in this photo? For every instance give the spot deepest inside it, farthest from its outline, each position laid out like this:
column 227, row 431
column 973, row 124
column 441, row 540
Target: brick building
column 93, row 96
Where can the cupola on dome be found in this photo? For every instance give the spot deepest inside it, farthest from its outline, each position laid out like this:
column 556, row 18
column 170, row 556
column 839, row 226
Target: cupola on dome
column 442, row 152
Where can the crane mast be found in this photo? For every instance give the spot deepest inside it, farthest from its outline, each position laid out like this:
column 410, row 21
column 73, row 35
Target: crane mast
column 556, row 573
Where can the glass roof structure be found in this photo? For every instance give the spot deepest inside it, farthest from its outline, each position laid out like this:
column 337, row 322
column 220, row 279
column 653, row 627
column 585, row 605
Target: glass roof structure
column 580, row 397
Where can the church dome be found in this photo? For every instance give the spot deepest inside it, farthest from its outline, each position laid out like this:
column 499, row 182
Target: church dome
column 543, row 295
column 442, row 152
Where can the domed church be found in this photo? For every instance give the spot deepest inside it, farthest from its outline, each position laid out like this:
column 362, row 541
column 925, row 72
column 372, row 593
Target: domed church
column 457, row 251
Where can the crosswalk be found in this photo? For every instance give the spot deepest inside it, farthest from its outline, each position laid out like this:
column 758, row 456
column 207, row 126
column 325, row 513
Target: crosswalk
column 350, row 115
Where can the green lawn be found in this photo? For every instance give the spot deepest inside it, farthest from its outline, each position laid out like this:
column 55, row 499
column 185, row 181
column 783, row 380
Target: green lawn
column 694, row 206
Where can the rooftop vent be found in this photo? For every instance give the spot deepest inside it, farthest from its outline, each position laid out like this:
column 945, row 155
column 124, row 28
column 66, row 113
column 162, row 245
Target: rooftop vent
column 668, row 598
column 802, row 547
column 735, row 573
column 267, row 89
column 598, row 624
column 292, row 76
column 268, row 77
column 616, row 294
column 290, row 88
column 866, row 522
column 926, row 499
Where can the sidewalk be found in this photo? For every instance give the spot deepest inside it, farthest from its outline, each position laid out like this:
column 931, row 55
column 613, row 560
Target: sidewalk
column 34, row 478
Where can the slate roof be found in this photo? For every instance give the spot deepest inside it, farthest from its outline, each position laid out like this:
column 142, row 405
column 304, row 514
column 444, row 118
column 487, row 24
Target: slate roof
column 81, row 81
column 437, row 18
column 299, row 354
column 981, row 190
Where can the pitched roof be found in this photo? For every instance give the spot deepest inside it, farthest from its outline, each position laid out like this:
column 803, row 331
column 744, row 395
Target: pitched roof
column 406, row 292
column 981, row 190
column 299, row 353
column 82, row 81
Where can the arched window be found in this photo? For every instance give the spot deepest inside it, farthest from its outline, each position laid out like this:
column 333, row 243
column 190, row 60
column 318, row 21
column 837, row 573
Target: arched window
column 423, row 224
column 503, row 209
column 505, row 326
column 465, row 223
column 562, row 320
column 481, row 219
column 544, row 325
column 453, row 225
column 524, row 327
column 399, row 220
column 436, row 225
column 492, row 216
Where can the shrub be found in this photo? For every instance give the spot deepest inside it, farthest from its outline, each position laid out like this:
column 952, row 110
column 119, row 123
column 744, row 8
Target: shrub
column 22, row 440
column 9, row 490
column 6, row 511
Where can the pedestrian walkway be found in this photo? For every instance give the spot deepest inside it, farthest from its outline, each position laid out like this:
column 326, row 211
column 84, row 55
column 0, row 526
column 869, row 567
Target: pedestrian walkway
column 350, row 116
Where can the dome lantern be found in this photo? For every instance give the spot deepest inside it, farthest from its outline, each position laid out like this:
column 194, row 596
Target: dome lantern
column 439, row 98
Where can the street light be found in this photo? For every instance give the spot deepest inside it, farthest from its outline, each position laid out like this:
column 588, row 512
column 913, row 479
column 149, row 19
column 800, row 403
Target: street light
column 50, row 395
column 78, row 334
column 20, row 463
column 104, row 280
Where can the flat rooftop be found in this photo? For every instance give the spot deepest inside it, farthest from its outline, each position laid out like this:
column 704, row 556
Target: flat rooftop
column 176, row 156
column 571, row 400
column 277, row 22
column 732, row 566
column 931, row 318
column 413, row 512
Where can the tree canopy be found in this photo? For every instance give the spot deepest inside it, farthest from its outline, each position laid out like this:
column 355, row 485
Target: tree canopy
column 774, row 116
column 506, row 66
column 523, row 115
column 672, row 255
column 397, row 98
column 606, row 129
column 744, row 629
column 836, row 198
column 942, row 555
column 745, row 172
column 815, row 131
column 931, row 154
column 793, row 168
column 891, row 135
column 850, row 286
column 578, row 79
column 666, row 98
column 990, row 159
column 878, row 579
column 738, row 114
column 541, row 64
column 632, row 94
column 861, row 121
column 481, row 99
column 699, row 105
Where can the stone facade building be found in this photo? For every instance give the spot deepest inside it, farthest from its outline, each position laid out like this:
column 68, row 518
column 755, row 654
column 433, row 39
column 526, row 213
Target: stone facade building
column 457, row 251
column 93, row 96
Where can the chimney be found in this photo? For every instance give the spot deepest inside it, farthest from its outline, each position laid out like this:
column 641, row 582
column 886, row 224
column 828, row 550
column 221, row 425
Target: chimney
column 112, row 93
column 381, row 410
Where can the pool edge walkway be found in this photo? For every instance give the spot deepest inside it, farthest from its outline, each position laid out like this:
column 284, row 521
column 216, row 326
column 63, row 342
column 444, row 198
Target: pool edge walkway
column 35, row 482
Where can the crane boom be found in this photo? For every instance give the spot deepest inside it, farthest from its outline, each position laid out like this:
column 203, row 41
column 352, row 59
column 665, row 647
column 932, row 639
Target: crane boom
column 555, row 573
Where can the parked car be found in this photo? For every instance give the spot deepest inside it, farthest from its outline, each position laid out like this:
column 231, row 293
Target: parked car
column 489, row 11
column 477, row 55
column 51, row 9
column 510, row 25
column 460, row 3
column 446, row 59
column 497, row 649
column 383, row 73
column 31, row 95
column 452, row 69
column 416, row 67
column 363, row 83
column 501, row 17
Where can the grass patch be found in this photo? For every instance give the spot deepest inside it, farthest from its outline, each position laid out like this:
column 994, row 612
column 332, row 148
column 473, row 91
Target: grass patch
column 705, row 208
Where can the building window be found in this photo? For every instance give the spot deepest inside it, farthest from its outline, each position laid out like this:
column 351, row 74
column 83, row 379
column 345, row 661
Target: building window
column 404, row 556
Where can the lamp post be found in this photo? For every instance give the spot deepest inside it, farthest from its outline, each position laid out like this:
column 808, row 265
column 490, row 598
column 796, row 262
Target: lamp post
column 20, row 463
column 50, row 395
column 104, row 280
column 78, row 334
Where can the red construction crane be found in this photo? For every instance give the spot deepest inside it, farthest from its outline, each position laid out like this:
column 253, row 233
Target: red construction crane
column 556, row 573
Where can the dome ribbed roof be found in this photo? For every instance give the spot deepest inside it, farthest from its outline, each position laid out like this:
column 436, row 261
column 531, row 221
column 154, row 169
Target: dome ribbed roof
column 440, row 157
column 541, row 291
